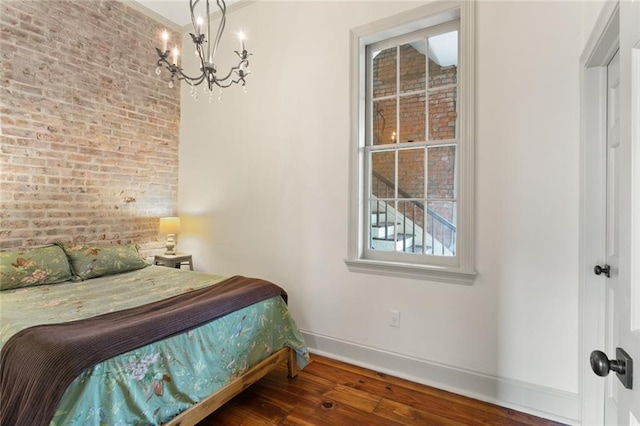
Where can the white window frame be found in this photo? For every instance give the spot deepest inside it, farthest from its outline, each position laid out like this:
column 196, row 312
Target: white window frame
column 460, row 268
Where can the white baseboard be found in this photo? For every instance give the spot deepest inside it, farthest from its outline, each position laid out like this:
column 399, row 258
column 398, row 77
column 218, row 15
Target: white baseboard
column 549, row 403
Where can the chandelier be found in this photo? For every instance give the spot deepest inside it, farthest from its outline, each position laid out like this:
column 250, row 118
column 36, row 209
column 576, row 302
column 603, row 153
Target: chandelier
column 206, row 52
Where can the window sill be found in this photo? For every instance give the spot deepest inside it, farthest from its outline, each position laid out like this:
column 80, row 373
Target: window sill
column 404, row 270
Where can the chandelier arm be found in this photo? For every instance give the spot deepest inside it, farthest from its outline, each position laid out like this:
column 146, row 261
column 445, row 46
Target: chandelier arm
column 194, row 82
column 225, row 78
column 192, row 7
column 224, row 86
column 223, row 22
column 201, row 55
column 175, row 70
column 182, row 76
column 209, row 52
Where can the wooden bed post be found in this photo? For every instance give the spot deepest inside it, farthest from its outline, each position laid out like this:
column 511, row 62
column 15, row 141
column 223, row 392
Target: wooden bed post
column 292, row 364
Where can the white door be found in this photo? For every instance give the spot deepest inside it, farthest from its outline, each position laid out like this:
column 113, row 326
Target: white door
column 610, row 272
column 612, row 248
column 621, row 272
column 624, row 323
column 610, row 217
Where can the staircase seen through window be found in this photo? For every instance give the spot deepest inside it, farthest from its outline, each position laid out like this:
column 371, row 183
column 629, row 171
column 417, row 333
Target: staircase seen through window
column 412, row 142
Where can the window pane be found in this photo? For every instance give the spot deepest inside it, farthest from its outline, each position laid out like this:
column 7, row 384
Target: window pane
column 412, row 118
column 383, row 174
column 441, row 169
column 411, row 173
column 412, row 66
column 384, row 69
column 382, row 225
column 442, row 113
column 443, row 59
column 408, row 229
column 384, row 122
column 440, row 237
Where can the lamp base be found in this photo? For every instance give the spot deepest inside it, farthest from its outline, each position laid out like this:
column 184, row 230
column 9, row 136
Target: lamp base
column 171, row 245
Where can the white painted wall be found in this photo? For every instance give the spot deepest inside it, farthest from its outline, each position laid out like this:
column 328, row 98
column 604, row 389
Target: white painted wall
column 263, row 192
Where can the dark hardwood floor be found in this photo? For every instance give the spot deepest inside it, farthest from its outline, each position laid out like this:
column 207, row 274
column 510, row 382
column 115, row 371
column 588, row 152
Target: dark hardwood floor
column 329, row 392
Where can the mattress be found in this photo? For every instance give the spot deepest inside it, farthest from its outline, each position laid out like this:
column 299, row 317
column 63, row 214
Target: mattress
column 153, row 383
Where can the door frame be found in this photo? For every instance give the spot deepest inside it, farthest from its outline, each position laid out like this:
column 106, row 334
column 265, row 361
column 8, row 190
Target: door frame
column 602, row 44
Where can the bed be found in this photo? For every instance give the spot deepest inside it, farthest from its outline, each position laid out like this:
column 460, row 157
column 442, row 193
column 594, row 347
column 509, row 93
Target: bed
column 176, row 379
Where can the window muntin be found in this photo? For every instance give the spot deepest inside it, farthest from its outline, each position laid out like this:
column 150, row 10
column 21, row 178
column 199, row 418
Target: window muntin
column 411, row 145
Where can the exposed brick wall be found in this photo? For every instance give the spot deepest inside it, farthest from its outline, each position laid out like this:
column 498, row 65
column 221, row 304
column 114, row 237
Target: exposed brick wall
column 442, row 119
column 89, row 144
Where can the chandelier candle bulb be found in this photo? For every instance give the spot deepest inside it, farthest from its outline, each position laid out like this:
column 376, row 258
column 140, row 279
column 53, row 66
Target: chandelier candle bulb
column 165, row 39
column 241, row 36
column 175, row 56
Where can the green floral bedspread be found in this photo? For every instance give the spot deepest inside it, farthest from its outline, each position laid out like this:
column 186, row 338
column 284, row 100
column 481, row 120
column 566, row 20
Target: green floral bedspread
column 152, row 384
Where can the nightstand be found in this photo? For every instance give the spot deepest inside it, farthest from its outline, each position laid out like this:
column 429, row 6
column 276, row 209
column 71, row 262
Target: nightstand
column 173, row 260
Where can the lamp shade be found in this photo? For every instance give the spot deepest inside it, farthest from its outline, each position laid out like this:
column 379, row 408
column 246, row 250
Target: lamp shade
column 169, row 225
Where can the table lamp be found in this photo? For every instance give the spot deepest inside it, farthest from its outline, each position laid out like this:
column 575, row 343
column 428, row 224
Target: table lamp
column 170, row 226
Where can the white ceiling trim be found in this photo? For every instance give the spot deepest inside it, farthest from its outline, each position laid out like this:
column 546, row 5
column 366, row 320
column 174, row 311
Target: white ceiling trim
column 137, row 5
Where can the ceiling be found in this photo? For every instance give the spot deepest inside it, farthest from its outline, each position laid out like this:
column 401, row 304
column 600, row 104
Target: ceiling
column 177, row 11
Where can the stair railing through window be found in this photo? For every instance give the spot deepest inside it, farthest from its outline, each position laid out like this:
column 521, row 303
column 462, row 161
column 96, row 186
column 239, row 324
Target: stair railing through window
column 439, row 229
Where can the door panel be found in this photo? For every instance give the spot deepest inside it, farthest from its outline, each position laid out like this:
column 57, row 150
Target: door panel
column 622, row 403
column 610, row 192
column 626, row 332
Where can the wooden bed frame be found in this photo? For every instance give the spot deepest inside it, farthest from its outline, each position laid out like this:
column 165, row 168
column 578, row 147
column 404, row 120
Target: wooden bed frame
column 214, row 401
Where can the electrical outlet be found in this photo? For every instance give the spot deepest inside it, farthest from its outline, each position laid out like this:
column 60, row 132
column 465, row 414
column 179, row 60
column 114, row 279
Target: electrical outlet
column 394, row 318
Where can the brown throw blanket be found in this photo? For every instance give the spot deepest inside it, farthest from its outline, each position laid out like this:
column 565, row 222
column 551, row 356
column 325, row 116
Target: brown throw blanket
column 38, row 364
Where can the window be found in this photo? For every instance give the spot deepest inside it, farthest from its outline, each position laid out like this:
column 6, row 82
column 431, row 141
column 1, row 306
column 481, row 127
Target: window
column 412, row 145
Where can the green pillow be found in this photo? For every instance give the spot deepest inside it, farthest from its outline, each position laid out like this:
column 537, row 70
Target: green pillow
column 29, row 267
column 90, row 261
